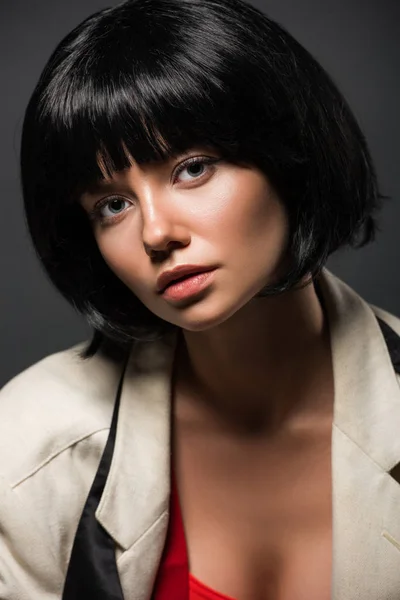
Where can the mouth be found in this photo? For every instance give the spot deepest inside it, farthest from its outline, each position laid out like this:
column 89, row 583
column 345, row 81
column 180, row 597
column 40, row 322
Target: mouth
column 188, row 288
column 179, row 279
column 179, row 274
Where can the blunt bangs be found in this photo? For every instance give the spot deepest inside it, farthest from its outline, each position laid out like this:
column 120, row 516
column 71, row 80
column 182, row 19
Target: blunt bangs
column 110, row 91
column 151, row 79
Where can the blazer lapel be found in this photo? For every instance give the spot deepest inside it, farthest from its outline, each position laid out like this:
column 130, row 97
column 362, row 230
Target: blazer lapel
column 365, row 451
column 134, row 508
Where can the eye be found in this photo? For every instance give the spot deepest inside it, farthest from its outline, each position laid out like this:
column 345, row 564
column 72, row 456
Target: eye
column 109, row 209
column 196, row 167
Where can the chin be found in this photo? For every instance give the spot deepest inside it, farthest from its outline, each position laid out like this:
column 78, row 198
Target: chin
column 199, row 317
column 197, row 323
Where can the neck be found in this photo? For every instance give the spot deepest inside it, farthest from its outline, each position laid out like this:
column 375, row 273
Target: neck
column 264, row 368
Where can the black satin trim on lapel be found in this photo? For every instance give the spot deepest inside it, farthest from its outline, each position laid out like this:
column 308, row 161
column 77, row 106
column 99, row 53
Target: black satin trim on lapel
column 92, row 571
column 395, row 472
column 393, row 344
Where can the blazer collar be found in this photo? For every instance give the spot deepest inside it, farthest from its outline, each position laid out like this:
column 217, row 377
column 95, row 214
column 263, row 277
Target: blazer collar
column 134, row 508
column 138, row 485
column 365, row 449
column 367, row 398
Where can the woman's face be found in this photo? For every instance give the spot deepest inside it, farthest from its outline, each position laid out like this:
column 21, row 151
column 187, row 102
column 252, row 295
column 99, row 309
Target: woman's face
column 210, row 214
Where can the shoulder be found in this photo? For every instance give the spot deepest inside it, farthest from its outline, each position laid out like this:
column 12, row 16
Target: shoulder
column 390, row 327
column 54, row 421
column 56, row 403
column 390, row 319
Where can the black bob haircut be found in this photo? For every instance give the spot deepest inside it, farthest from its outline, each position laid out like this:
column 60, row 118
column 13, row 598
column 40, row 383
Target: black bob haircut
column 151, row 79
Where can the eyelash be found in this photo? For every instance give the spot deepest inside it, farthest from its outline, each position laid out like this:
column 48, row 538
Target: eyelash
column 95, row 214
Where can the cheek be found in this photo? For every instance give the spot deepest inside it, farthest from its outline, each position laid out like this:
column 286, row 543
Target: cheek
column 123, row 258
column 271, row 225
column 253, row 219
column 255, row 232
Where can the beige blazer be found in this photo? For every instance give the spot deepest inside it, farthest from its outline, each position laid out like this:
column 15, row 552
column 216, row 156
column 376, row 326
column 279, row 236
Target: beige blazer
column 54, row 421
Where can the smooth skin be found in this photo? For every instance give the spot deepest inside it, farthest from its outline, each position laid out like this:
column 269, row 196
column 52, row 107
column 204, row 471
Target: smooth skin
column 253, row 383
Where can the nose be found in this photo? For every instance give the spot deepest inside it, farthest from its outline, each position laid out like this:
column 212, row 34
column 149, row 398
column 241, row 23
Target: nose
column 162, row 228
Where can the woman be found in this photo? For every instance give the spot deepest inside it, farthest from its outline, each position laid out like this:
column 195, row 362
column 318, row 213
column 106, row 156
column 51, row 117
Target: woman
column 231, row 431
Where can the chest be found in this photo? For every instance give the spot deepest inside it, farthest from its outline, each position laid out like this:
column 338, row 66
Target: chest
column 257, row 515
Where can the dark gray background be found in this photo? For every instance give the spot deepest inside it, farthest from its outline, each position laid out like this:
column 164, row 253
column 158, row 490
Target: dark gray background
column 357, row 41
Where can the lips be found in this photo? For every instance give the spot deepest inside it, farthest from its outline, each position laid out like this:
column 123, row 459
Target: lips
column 180, row 272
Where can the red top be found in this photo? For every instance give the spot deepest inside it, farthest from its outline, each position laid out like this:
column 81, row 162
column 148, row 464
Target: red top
column 199, row 591
column 173, row 577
